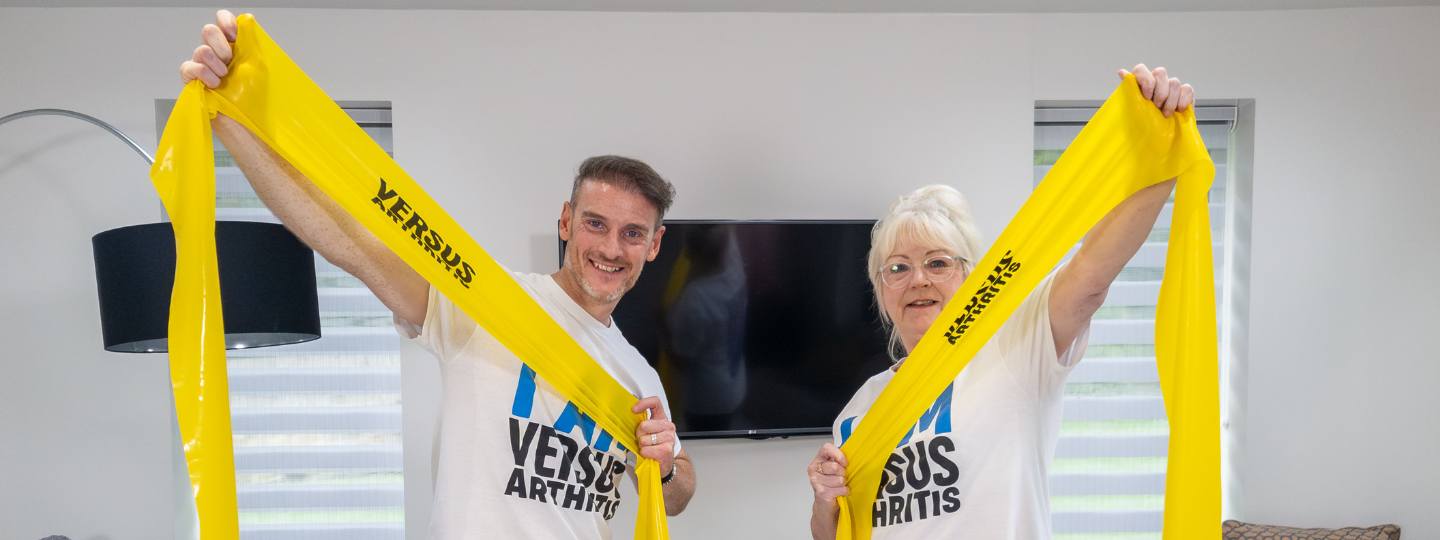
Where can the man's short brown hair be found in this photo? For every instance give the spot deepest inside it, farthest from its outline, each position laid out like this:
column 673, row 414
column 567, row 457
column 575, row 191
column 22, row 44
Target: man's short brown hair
column 628, row 174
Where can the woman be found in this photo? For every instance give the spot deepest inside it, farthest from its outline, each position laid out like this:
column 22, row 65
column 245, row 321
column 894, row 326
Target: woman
column 975, row 465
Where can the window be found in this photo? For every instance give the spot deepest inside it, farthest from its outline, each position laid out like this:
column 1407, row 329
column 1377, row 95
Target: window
column 1108, row 478
column 317, row 426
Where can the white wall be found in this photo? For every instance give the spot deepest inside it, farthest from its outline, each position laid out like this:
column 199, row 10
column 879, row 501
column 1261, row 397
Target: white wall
column 759, row 116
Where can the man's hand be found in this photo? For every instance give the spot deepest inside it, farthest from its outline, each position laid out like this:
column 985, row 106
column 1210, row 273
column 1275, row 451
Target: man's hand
column 656, row 435
column 210, row 61
column 1158, row 86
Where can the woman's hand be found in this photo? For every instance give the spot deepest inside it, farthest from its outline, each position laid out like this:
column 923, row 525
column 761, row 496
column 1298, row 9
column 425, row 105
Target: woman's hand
column 827, row 479
column 827, row 474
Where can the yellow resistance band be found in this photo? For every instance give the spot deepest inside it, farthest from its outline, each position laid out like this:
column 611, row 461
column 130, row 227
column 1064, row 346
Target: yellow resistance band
column 270, row 95
column 1126, row 146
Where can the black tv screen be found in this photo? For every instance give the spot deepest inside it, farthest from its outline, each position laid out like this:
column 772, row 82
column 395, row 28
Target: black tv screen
column 757, row 328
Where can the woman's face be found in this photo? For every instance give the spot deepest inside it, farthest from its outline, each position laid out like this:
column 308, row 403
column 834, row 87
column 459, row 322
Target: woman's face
column 911, row 292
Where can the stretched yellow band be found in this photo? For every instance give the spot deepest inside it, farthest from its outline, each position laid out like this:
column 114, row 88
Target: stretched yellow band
column 1127, row 146
column 270, row 95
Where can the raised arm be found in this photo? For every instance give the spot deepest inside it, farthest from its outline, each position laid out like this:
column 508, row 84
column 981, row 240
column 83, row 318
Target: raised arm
column 302, row 207
column 1081, row 286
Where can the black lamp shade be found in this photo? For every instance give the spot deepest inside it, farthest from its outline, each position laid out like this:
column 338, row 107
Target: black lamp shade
column 267, row 285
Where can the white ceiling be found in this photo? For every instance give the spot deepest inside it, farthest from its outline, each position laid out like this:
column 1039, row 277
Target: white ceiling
column 791, row 6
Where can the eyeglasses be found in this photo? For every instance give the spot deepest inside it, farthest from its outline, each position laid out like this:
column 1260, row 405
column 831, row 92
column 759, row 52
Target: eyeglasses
column 938, row 268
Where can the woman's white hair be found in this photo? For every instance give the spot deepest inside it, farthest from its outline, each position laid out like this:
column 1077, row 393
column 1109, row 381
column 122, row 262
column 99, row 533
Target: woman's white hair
column 934, row 215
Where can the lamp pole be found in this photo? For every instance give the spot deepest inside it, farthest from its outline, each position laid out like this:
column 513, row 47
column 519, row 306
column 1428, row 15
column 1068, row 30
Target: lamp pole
column 149, row 160
column 186, row 525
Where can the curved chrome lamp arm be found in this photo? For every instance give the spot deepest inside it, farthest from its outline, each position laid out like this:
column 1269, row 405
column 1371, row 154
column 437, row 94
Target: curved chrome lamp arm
column 82, row 116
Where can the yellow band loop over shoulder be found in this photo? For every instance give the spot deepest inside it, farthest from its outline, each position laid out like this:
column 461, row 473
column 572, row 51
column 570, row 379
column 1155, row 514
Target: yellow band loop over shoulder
column 1127, row 146
column 267, row 93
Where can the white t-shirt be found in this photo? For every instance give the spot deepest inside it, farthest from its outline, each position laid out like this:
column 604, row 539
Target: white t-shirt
column 517, row 460
column 975, row 465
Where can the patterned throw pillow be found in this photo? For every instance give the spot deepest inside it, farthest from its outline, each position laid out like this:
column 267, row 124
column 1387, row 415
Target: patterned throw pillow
column 1235, row 530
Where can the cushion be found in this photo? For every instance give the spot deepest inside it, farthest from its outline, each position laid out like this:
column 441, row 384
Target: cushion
column 1236, row 530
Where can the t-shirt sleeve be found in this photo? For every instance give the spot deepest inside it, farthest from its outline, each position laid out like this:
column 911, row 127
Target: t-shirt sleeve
column 850, row 415
column 1027, row 343
column 445, row 331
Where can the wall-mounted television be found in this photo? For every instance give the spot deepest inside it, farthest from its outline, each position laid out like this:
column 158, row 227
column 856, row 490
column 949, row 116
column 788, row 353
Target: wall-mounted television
column 757, row 328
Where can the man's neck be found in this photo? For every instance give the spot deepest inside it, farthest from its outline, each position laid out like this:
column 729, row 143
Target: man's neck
column 601, row 312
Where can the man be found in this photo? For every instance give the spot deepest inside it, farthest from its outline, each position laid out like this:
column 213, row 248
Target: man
column 516, row 459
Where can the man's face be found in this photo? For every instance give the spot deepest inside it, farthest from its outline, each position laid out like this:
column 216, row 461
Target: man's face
column 610, row 233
